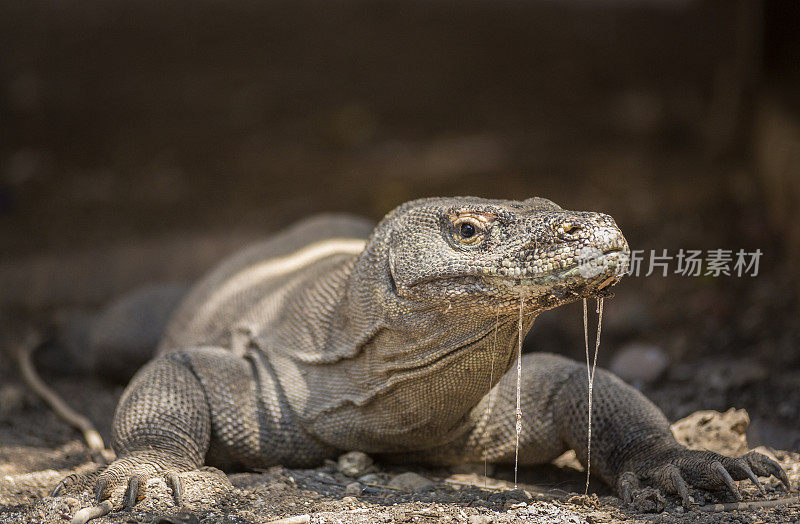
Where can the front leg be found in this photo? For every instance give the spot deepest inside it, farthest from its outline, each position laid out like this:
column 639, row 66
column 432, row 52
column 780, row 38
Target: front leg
column 162, row 427
column 631, row 438
column 632, row 441
column 205, row 405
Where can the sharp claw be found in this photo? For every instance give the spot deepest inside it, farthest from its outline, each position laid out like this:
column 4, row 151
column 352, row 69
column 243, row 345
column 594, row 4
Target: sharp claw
column 86, row 514
column 625, row 493
column 683, row 490
column 100, row 490
column 132, row 493
column 740, row 470
column 754, row 479
column 781, row 475
column 174, row 482
column 777, row 471
column 57, row 490
column 766, row 466
column 726, row 478
column 680, row 486
column 627, row 496
column 63, row 485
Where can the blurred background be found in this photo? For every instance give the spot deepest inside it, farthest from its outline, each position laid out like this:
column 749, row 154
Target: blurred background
column 142, row 141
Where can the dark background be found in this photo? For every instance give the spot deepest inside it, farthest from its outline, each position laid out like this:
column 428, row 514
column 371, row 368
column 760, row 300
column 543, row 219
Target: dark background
column 142, row 141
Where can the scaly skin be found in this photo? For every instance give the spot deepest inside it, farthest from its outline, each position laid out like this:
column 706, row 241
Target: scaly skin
column 330, row 338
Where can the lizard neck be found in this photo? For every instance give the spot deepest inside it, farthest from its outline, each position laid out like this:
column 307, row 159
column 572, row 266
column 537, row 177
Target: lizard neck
column 381, row 355
column 404, row 334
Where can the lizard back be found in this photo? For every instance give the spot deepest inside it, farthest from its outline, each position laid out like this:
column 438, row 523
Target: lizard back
column 223, row 299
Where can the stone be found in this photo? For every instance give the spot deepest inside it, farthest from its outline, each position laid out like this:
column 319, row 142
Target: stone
column 639, row 363
column 371, row 478
column 723, row 433
column 354, row 463
column 409, row 482
column 298, row 519
column 278, row 486
column 568, row 460
column 353, row 489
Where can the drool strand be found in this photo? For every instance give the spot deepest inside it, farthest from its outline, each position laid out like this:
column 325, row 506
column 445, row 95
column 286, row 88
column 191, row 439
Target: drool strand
column 590, row 375
column 490, row 402
column 518, row 412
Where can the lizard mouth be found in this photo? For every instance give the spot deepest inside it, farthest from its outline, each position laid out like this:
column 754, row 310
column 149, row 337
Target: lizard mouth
column 606, row 284
column 593, row 277
column 617, row 260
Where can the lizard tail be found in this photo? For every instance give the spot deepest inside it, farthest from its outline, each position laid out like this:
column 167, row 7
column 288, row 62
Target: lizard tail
column 24, row 352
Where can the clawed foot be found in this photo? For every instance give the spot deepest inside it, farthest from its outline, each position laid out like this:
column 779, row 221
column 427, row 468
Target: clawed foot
column 124, row 483
column 701, row 470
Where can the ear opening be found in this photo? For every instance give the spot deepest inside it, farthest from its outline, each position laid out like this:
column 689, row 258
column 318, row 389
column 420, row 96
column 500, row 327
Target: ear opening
column 392, row 270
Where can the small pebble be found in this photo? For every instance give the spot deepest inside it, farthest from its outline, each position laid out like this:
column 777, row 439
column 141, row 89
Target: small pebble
column 513, row 504
column 353, row 489
column 278, row 486
column 370, row 478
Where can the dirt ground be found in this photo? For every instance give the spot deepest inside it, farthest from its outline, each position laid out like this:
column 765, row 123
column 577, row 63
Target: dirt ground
column 38, row 450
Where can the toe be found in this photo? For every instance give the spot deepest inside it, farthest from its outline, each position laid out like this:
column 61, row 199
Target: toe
column 669, row 479
column 703, row 470
column 174, row 483
column 65, row 484
column 722, row 476
column 740, row 470
column 627, row 483
column 133, row 492
column 101, row 490
column 764, row 466
column 124, row 483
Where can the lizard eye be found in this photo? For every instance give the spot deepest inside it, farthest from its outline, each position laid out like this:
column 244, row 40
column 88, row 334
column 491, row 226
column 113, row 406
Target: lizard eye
column 468, row 230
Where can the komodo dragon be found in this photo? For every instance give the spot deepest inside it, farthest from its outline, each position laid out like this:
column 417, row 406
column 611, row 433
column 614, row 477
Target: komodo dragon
column 333, row 336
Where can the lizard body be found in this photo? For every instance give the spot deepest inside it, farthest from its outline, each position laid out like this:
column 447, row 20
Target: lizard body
column 336, row 336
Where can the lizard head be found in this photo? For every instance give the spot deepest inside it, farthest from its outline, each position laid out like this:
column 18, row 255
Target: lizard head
column 470, row 250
